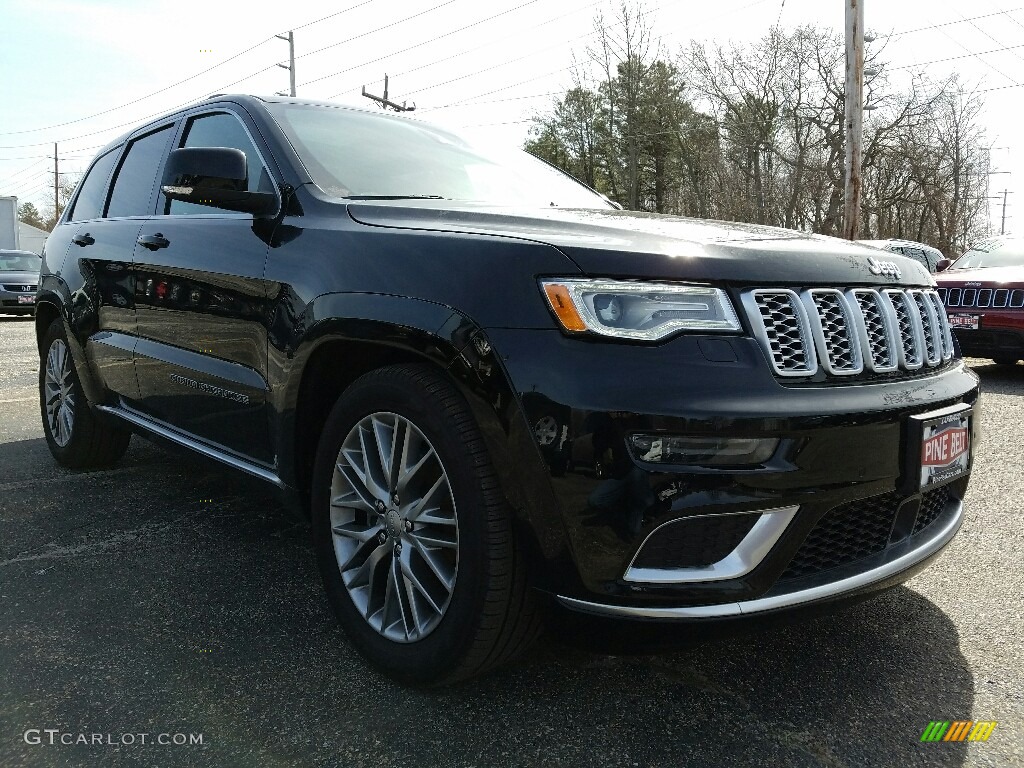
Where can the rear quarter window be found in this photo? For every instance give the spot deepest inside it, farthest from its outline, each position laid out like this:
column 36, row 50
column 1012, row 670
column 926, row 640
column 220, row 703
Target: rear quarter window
column 93, row 192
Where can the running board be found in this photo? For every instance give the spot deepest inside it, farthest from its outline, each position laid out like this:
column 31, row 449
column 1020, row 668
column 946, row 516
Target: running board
column 172, row 435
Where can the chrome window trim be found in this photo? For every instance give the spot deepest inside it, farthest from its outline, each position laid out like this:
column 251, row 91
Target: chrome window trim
column 890, row 567
column 747, row 555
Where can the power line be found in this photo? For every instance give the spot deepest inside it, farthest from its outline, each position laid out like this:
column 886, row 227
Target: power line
column 487, row 44
column 331, row 15
column 20, row 187
column 978, row 56
column 132, row 102
column 425, row 42
column 28, row 167
column 945, row 24
column 340, row 42
column 990, row 37
column 953, row 58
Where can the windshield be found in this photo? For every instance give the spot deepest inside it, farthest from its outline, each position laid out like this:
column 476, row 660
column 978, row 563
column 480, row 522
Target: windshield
column 361, row 155
column 997, row 252
column 19, row 262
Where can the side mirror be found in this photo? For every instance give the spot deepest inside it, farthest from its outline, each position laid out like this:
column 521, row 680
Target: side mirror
column 214, row 176
column 942, row 265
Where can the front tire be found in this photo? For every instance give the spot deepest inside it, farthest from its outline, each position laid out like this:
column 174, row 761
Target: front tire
column 413, row 537
column 77, row 437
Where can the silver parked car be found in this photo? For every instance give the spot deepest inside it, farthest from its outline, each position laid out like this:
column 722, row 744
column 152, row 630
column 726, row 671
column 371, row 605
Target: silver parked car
column 925, row 254
column 19, row 278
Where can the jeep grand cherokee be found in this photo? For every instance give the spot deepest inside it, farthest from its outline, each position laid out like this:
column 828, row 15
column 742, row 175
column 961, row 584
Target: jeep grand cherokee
column 984, row 295
column 491, row 388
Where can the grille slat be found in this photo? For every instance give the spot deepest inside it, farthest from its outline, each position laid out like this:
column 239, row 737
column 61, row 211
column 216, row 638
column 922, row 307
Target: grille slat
column 849, row 331
column 784, row 331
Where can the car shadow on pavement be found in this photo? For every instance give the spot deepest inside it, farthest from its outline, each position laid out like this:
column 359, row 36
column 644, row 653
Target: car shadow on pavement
column 171, row 595
column 999, row 379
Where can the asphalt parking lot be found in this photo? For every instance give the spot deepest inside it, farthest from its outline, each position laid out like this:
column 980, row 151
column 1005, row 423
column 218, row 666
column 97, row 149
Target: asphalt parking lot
column 170, row 596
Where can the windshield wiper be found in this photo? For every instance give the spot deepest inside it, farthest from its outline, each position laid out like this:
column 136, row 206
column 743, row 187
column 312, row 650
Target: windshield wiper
column 394, row 197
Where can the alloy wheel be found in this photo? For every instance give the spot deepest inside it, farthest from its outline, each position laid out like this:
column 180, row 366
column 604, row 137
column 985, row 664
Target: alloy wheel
column 59, row 393
column 546, row 430
column 395, row 527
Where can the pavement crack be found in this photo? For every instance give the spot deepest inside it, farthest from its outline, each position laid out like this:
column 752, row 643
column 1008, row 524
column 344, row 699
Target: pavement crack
column 112, row 542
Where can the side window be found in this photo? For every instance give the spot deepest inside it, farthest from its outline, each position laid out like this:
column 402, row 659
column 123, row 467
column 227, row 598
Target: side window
column 916, row 254
column 132, row 194
column 222, row 130
column 89, row 203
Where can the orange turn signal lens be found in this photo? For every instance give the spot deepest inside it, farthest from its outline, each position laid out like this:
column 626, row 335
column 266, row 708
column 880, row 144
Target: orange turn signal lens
column 563, row 306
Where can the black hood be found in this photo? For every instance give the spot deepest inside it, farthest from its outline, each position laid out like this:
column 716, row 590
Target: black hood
column 614, row 243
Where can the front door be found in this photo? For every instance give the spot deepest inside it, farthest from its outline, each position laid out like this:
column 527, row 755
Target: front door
column 201, row 305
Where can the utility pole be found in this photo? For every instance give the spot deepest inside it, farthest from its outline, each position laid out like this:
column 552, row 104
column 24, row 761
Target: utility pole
column 383, row 100
column 853, row 115
column 1002, row 226
column 290, row 66
column 56, row 186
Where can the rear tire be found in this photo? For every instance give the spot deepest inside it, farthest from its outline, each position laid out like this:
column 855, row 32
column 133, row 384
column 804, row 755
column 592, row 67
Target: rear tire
column 77, row 436
column 476, row 611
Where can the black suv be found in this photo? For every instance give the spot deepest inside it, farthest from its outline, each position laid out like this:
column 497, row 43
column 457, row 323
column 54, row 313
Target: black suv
column 492, row 388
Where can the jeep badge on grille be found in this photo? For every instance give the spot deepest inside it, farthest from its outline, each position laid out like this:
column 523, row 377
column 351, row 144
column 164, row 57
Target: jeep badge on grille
column 887, row 268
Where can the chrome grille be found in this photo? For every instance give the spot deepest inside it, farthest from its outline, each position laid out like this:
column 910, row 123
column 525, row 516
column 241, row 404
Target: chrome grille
column 942, row 330
column 848, row 332
column 783, row 331
column 986, row 297
column 878, row 338
column 930, row 326
column 833, row 331
column 911, row 331
column 19, row 288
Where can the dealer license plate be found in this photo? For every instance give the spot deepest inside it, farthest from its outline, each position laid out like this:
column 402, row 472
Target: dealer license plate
column 26, row 299
column 945, row 447
column 964, row 321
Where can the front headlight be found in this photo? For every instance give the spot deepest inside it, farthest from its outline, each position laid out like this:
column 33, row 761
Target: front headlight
column 647, row 311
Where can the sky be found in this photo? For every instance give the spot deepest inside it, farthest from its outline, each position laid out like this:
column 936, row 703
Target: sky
column 81, row 72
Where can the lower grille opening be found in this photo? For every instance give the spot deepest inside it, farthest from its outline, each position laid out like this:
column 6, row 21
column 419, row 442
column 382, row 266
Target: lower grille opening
column 859, row 529
column 933, row 504
column 694, row 542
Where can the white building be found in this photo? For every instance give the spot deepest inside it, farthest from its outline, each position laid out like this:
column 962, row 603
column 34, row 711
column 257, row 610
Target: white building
column 31, row 238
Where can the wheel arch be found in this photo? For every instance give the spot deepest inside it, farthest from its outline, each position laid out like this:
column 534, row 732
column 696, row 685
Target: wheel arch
column 350, row 335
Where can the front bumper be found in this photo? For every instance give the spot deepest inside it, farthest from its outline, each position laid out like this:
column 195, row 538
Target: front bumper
column 589, row 506
column 17, row 301
column 991, row 341
column 896, row 564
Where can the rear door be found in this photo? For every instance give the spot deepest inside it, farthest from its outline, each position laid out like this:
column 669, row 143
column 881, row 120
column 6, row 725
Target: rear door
column 201, row 357
column 97, row 271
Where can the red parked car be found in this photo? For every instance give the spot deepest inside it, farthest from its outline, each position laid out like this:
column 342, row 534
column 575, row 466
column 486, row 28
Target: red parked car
column 983, row 292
